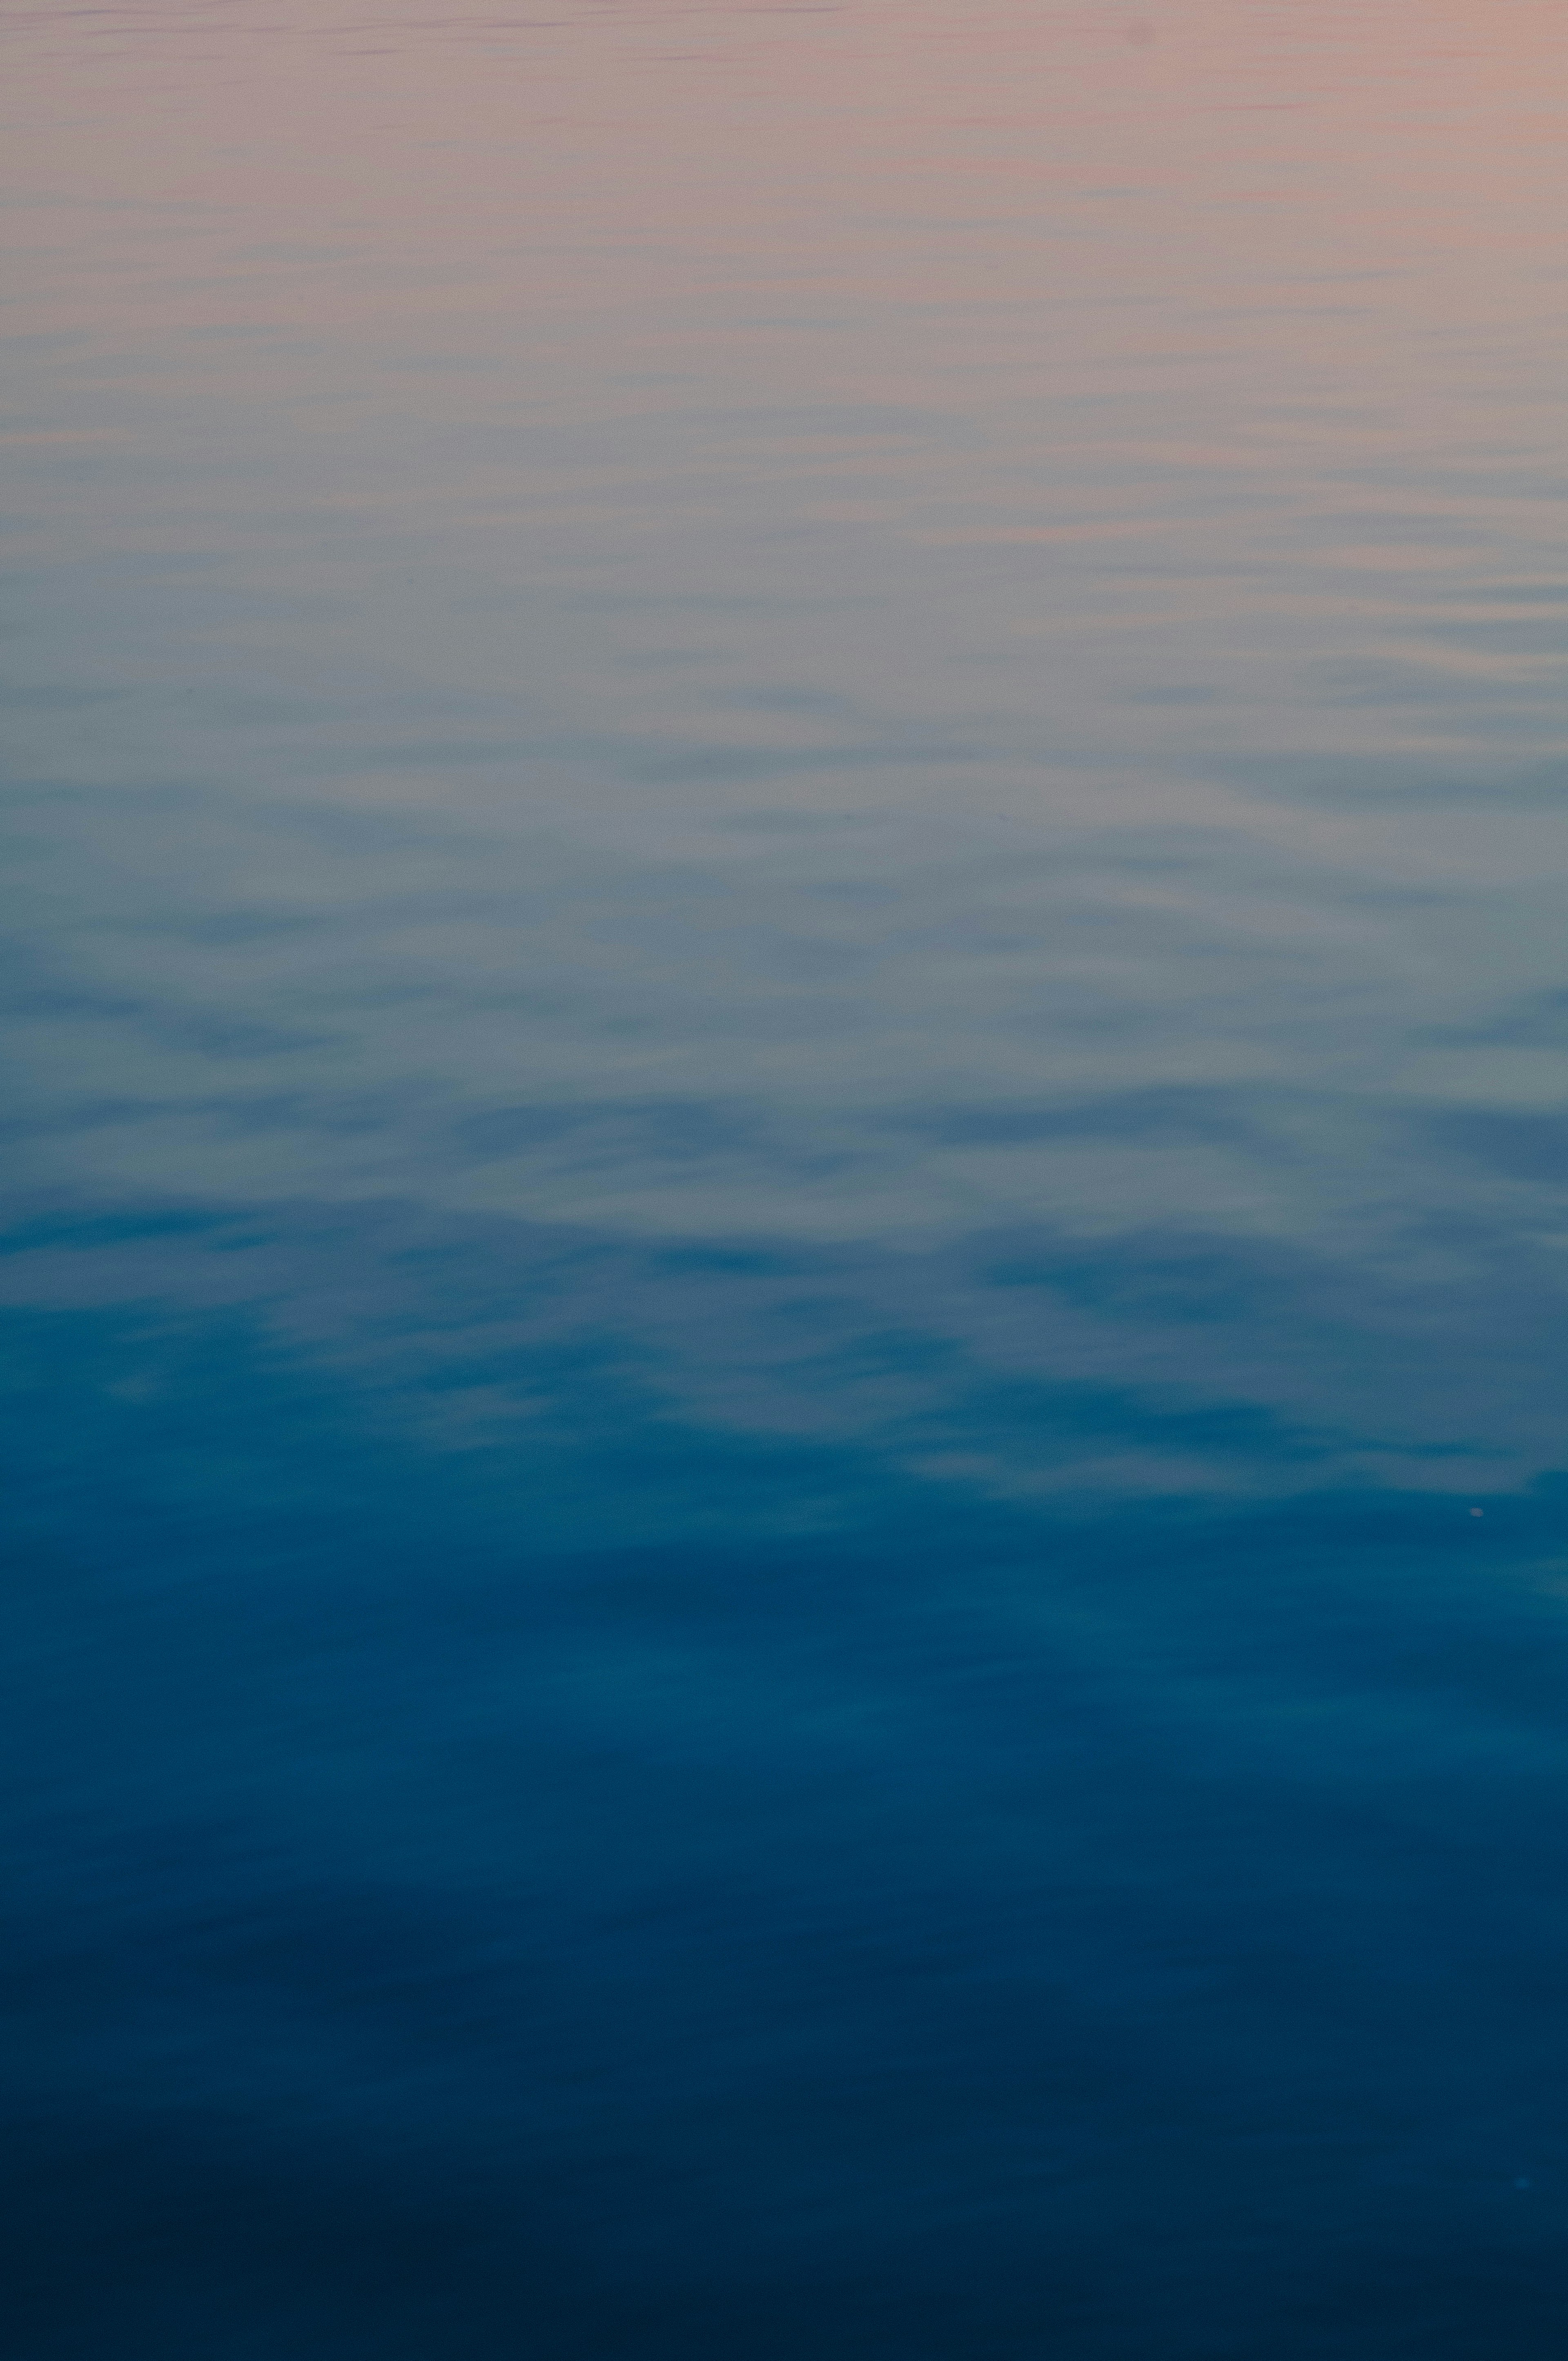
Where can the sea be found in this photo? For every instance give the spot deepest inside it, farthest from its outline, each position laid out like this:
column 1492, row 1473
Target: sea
column 783, row 1249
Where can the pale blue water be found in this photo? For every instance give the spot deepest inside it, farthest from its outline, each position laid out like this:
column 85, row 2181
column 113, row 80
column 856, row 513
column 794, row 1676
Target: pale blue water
column 784, row 1239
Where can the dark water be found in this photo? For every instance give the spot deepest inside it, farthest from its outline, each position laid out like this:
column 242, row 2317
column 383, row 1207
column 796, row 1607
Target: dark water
column 786, row 1240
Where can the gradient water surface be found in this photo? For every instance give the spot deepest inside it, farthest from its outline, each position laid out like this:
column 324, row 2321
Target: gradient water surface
column 785, row 1135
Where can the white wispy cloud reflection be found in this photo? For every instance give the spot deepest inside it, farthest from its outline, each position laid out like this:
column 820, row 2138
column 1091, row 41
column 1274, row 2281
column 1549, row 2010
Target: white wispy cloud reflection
column 785, row 1132
column 1248, row 1123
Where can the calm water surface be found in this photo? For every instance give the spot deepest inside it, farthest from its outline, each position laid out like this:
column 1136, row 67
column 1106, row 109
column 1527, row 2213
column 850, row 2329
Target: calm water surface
column 786, row 1258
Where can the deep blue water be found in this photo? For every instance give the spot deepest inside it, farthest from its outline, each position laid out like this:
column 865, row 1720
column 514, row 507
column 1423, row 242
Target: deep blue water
column 784, row 1247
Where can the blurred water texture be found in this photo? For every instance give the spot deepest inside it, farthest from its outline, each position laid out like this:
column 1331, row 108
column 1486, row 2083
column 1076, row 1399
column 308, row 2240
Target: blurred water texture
column 786, row 1130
